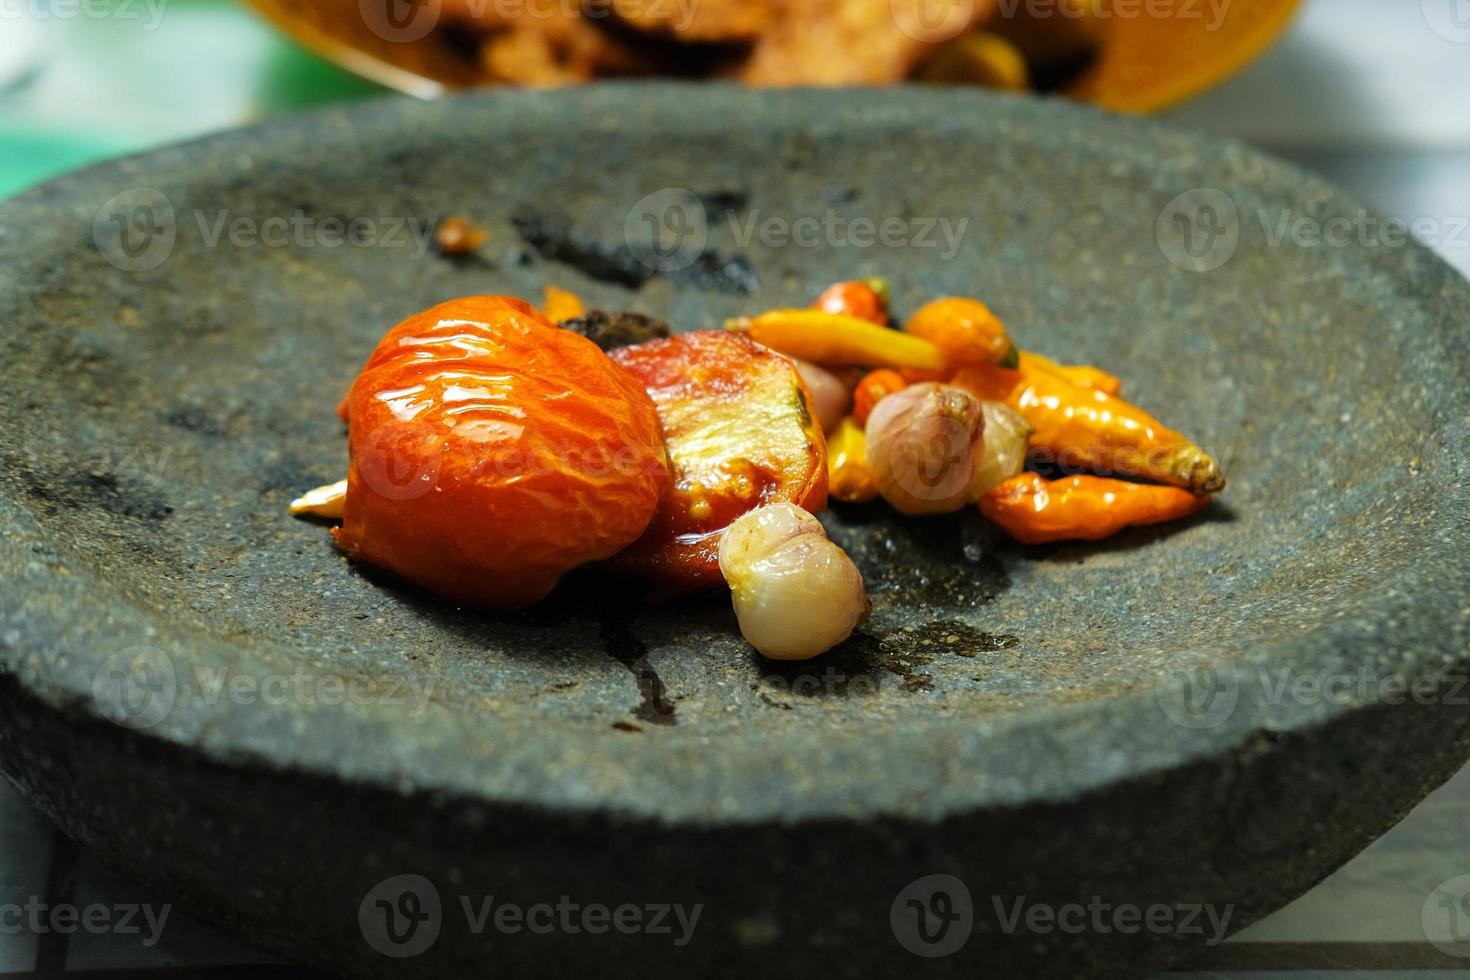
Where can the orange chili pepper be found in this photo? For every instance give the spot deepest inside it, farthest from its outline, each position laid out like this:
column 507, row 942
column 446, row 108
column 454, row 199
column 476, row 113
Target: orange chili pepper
column 849, row 478
column 1087, row 428
column 1035, row 510
column 965, row 331
column 866, row 299
column 872, row 389
column 561, row 305
column 1081, row 375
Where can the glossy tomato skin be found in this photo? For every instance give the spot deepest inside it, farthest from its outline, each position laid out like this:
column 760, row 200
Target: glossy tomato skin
column 741, row 432
column 492, row 452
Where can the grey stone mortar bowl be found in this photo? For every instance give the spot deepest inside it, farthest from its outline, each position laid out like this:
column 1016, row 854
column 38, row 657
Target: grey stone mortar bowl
column 1214, row 714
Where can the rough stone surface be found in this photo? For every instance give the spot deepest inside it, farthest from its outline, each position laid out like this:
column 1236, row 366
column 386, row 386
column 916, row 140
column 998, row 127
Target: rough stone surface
column 1010, row 716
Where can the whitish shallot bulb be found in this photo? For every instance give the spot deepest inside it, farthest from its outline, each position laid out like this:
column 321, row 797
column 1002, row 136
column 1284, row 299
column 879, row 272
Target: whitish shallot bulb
column 797, row 595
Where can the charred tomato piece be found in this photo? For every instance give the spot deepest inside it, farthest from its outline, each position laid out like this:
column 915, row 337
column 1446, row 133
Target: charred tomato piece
column 741, row 433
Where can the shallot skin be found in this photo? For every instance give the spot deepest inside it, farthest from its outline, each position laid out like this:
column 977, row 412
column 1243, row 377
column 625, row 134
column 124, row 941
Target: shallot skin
column 796, row 594
column 924, row 444
column 830, row 397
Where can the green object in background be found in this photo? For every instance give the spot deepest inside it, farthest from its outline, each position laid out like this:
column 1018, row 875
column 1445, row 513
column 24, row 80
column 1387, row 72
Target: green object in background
column 145, row 75
column 26, row 158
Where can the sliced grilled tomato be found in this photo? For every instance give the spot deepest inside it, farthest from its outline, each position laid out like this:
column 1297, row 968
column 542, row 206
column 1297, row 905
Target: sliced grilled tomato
column 740, row 431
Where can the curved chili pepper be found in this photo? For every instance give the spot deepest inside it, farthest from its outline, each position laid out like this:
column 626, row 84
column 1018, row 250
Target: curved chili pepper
column 1034, row 510
column 1087, row 428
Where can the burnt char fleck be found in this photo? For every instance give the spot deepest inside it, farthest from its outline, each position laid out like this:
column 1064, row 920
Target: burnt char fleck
column 719, row 203
column 80, row 491
column 712, row 273
column 195, row 418
column 555, row 239
column 613, row 330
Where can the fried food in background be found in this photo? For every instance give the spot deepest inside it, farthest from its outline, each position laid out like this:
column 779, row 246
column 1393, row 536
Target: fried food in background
column 1117, row 54
column 693, row 21
column 879, row 42
column 549, row 42
column 775, row 42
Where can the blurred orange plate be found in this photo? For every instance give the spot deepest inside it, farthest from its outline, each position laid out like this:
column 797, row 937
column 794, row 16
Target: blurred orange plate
column 1155, row 52
column 1159, row 52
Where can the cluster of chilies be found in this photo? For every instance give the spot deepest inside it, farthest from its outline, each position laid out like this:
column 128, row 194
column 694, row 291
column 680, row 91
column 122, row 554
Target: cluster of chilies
column 494, row 447
column 911, row 413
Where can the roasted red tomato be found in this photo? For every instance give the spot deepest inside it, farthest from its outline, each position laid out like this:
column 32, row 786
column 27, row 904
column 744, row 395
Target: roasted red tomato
column 493, row 452
column 741, row 433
